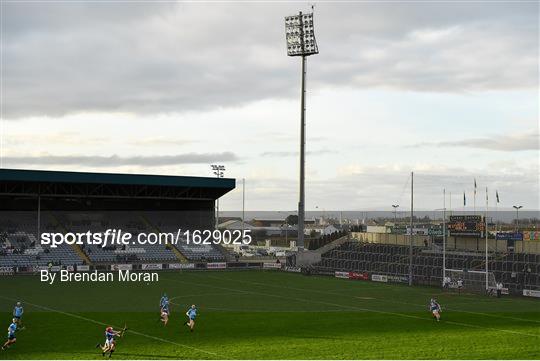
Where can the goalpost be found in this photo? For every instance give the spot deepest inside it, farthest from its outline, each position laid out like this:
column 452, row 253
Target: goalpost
column 477, row 281
column 474, row 281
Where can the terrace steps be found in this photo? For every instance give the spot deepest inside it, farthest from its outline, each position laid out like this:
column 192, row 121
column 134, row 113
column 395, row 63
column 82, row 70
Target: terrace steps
column 179, row 255
column 75, row 247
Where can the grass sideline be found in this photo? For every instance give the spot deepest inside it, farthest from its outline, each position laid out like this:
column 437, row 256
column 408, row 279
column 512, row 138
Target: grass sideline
column 266, row 315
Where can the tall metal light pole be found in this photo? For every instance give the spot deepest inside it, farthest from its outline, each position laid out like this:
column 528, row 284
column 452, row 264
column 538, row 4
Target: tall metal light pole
column 486, row 235
column 300, row 36
column 517, row 216
column 411, row 236
column 395, row 206
column 219, row 171
column 243, row 206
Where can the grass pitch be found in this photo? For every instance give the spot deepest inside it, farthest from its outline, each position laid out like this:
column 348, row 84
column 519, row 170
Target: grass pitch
column 266, row 315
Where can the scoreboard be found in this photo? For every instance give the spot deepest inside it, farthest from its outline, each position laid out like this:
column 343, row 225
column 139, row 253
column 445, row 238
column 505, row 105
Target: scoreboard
column 466, row 226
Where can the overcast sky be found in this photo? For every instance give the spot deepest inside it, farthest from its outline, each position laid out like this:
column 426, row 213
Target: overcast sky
column 448, row 90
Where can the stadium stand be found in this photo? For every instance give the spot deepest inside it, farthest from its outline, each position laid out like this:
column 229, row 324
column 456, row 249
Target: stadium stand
column 81, row 202
column 516, row 271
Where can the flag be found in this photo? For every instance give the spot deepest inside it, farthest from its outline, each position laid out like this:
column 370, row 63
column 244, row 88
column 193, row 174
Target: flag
column 464, row 200
column 474, row 186
column 497, row 196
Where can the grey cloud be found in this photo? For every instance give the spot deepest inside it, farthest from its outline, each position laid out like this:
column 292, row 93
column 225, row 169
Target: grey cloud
column 502, row 142
column 62, row 58
column 377, row 188
column 115, row 160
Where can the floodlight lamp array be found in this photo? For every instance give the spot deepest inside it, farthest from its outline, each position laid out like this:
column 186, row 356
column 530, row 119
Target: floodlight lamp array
column 300, row 35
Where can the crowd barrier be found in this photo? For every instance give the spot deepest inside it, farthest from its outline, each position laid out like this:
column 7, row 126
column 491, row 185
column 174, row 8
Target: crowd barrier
column 151, row 267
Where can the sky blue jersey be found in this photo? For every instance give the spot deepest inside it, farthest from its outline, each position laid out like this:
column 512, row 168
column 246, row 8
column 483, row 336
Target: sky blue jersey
column 165, row 307
column 18, row 311
column 12, row 329
column 192, row 312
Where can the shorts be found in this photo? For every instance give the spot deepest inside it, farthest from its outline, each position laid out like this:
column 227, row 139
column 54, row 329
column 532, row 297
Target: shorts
column 11, row 337
column 17, row 317
column 109, row 341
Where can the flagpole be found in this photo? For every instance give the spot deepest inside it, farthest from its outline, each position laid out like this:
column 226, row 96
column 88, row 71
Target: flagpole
column 444, row 237
column 486, row 232
column 474, row 197
column 497, row 209
column 450, row 199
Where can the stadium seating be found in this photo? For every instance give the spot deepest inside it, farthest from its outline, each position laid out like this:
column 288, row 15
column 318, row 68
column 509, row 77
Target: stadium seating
column 19, row 246
column 171, row 222
column 125, row 221
column 515, row 271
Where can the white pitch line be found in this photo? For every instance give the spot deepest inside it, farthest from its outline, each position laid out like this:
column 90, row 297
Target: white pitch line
column 201, row 294
column 358, row 308
column 104, row 324
column 264, row 311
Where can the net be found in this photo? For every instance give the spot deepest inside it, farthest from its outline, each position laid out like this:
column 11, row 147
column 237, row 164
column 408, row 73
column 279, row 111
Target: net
column 472, row 281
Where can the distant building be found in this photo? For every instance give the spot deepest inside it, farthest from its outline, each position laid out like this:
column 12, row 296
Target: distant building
column 378, row 229
column 234, row 224
column 322, row 230
column 275, row 222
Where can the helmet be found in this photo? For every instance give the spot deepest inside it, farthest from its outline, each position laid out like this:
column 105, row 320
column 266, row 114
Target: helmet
column 108, row 329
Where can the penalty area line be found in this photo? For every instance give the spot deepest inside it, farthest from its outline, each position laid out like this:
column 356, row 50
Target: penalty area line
column 104, row 324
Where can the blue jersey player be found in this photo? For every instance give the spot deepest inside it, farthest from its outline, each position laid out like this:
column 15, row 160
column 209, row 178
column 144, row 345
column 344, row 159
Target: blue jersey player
column 164, row 301
column 110, row 342
column 17, row 313
column 435, row 309
column 11, row 335
column 164, row 310
column 191, row 314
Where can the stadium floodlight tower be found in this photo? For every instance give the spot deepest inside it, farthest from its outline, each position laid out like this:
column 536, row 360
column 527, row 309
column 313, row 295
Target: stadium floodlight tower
column 395, row 206
column 300, row 36
column 219, row 171
column 517, row 208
